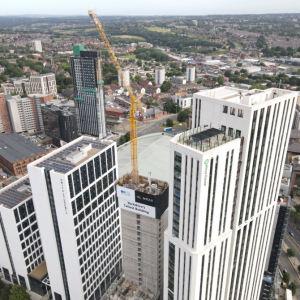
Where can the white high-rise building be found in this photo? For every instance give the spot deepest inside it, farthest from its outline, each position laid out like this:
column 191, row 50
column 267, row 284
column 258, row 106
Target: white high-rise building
column 126, row 75
column 204, row 164
column 75, row 202
column 262, row 121
column 25, row 114
column 20, row 241
column 160, row 75
column 37, row 46
column 190, row 73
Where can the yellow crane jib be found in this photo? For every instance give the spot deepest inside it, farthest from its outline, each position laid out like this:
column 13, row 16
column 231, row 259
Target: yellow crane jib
column 134, row 100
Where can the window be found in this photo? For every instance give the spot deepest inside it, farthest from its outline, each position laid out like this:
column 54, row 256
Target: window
column 237, row 133
column 223, row 128
column 240, row 113
column 225, row 109
column 232, row 111
column 230, row 131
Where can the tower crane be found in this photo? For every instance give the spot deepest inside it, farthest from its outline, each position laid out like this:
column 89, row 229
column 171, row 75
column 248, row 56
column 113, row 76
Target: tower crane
column 134, row 100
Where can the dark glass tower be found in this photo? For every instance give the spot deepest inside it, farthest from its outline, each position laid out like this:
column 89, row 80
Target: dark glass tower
column 88, row 92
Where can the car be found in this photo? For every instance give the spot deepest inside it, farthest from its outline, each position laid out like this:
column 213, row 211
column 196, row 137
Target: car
column 291, row 234
column 284, row 271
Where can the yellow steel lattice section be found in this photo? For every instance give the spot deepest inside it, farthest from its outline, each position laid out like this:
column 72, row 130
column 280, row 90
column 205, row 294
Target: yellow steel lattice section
column 134, row 100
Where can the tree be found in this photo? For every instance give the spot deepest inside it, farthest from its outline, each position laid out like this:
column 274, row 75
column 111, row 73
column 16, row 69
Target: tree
column 227, row 73
column 293, row 287
column 2, row 284
column 18, row 292
column 122, row 140
column 169, row 123
column 139, row 63
column 221, row 80
column 165, row 87
column 297, row 207
column 286, row 277
column 239, row 64
column 182, row 116
column 4, row 295
column 137, row 78
column 291, row 252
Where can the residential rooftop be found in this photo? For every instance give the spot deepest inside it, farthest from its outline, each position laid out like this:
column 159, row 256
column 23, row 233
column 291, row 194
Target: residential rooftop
column 203, row 139
column 14, row 147
column 72, row 155
column 15, row 193
column 244, row 97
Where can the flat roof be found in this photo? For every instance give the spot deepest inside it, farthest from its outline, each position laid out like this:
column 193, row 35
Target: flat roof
column 153, row 156
column 15, row 193
column 56, row 160
column 14, row 147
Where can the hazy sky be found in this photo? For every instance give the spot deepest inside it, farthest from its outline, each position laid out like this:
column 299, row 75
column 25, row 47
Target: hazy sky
column 149, row 7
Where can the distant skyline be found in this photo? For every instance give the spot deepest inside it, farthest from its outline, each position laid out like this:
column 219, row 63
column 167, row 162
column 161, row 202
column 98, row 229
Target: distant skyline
column 153, row 7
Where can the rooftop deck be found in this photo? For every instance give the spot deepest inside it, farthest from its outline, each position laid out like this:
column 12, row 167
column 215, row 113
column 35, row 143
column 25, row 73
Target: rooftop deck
column 203, row 139
column 15, row 193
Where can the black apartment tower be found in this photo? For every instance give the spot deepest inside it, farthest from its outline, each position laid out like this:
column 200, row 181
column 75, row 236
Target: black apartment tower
column 88, row 91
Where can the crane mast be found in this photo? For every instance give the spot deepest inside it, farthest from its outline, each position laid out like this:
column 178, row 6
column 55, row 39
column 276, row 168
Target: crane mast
column 134, row 100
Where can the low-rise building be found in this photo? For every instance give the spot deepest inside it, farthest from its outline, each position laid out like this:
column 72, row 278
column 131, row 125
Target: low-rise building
column 183, row 102
column 16, row 152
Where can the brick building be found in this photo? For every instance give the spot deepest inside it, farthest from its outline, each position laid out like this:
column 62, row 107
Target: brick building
column 4, row 116
column 16, row 153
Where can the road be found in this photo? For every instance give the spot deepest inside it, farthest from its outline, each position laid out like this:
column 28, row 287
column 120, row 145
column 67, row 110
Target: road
column 285, row 264
column 147, row 127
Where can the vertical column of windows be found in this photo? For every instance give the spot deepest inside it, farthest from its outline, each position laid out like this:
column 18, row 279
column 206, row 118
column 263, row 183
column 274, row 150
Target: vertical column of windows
column 178, row 279
column 241, row 254
column 259, row 249
column 223, row 192
column 208, row 274
column 184, row 195
column 250, row 151
column 223, row 268
column 196, row 111
column 190, row 200
column 237, row 244
column 228, row 189
column 245, row 258
column 212, row 273
column 283, row 145
column 252, row 252
column 272, row 148
column 196, row 201
column 183, row 276
column 262, row 154
column 213, row 198
column 177, row 194
column 254, row 163
column 189, row 280
column 201, row 278
column 219, row 270
column 208, row 201
column 268, row 157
